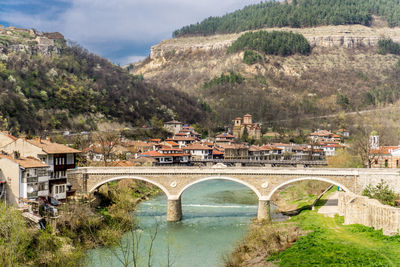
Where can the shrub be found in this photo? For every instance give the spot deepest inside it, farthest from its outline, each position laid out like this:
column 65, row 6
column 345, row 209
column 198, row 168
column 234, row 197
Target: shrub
column 250, row 57
column 381, row 192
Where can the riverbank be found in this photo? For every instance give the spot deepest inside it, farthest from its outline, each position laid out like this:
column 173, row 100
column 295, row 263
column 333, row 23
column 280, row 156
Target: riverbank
column 80, row 226
column 318, row 240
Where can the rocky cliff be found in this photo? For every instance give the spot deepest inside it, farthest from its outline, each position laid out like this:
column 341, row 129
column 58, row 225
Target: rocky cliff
column 347, row 36
column 14, row 39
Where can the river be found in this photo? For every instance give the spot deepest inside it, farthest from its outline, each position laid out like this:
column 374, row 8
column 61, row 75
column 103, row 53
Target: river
column 216, row 215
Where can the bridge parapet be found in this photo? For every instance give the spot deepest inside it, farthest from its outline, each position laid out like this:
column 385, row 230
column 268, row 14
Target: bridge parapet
column 173, row 181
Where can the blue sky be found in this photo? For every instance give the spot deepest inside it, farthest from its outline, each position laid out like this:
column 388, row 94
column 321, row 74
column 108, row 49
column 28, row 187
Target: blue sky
column 120, row 30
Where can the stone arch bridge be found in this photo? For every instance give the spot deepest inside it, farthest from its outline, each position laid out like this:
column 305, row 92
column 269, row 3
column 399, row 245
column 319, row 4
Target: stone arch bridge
column 262, row 181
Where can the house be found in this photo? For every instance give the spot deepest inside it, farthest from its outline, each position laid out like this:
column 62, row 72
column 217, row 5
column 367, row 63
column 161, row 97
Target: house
column 270, row 152
column 59, row 157
column 189, row 132
column 199, row 151
column 236, row 151
column 255, row 153
column 6, row 138
column 167, row 156
column 26, row 178
column 217, row 154
column 385, row 157
column 173, row 126
column 182, row 141
column 331, row 149
column 325, row 136
column 239, row 127
column 224, row 138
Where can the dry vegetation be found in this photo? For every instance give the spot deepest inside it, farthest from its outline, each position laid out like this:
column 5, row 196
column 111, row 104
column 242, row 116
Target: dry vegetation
column 330, row 80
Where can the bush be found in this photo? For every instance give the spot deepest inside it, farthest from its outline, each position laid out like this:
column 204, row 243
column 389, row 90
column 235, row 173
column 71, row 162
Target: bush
column 250, row 57
column 381, row 192
column 388, row 46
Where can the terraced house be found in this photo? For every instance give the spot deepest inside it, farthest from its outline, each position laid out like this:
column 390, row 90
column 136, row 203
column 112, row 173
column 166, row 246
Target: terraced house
column 58, row 157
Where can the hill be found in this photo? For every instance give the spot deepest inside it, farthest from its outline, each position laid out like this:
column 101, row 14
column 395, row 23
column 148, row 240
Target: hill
column 297, row 14
column 48, row 84
column 345, row 71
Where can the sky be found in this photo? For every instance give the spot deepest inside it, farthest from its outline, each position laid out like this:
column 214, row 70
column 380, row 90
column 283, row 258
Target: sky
column 120, row 30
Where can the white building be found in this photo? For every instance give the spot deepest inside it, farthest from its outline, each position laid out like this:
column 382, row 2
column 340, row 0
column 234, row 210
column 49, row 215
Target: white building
column 26, row 178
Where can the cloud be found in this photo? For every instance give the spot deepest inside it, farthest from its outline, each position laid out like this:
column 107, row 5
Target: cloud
column 104, row 25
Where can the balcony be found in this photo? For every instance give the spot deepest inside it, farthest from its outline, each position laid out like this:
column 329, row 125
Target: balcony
column 32, row 179
column 32, row 195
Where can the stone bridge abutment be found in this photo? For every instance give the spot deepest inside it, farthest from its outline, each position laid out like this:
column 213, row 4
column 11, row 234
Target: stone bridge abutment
column 264, row 182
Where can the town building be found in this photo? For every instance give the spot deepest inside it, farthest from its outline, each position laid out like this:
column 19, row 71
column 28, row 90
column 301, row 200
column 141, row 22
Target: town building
column 199, row 151
column 26, row 179
column 246, row 124
column 224, row 138
column 167, row 156
column 6, row 138
column 173, row 126
column 59, row 157
column 385, row 157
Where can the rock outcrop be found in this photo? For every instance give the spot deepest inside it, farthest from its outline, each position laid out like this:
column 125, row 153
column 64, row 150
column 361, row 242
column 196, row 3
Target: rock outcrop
column 347, row 36
column 33, row 42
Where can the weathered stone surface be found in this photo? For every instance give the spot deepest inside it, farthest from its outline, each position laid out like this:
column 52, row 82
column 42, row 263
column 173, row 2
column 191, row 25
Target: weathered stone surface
column 263, row 181
column 174, row 211
column 369, row 212
column 264, row 209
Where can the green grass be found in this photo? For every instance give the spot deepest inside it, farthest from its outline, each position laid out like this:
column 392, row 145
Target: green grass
column 330, row 243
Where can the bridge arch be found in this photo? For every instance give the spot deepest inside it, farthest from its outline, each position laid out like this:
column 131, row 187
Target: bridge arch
column 237, row 180
column 330, row 181
column 167, row 193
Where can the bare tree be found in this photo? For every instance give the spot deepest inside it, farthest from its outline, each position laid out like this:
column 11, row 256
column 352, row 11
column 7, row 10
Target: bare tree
column 107, row 141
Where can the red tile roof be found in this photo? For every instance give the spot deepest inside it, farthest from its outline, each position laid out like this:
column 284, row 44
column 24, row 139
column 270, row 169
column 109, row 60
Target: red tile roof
column 225, row 135
column 216, row 152
column 384, row 150
column 197, row 146
column 178, row 138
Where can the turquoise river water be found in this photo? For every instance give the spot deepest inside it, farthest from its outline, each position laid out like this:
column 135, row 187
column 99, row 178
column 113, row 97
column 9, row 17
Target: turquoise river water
column 216, row 215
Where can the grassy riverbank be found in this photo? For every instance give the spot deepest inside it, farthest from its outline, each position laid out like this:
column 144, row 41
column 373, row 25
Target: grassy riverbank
column 330, row 243
column 80, row 226
column 311, row 239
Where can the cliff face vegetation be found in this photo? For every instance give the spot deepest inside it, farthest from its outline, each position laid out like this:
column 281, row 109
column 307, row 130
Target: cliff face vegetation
column 345, row 71
column 47, row 84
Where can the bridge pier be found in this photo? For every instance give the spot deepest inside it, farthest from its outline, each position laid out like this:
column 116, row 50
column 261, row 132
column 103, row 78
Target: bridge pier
column 263, row 212
column 174, row 211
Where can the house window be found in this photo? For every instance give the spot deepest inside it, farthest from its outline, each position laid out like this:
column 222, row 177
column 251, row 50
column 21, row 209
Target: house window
column 386, row 163
column 43, row 186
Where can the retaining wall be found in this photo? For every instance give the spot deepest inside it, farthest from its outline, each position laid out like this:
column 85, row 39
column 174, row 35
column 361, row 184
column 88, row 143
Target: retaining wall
column 369, row 212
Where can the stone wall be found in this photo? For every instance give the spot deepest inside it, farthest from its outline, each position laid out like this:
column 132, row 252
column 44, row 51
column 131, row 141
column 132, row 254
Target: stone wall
column 369, row 212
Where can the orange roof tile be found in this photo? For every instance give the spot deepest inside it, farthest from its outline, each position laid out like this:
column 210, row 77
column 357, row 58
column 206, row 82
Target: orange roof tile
column 384, row 150
column 28, row 162
column 216, row 152
column 225, row 135
column 53, row 148
column 197, row 147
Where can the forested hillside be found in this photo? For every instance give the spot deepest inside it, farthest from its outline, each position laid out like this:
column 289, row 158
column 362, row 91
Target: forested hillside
column 297, row 13
column 74, row 89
